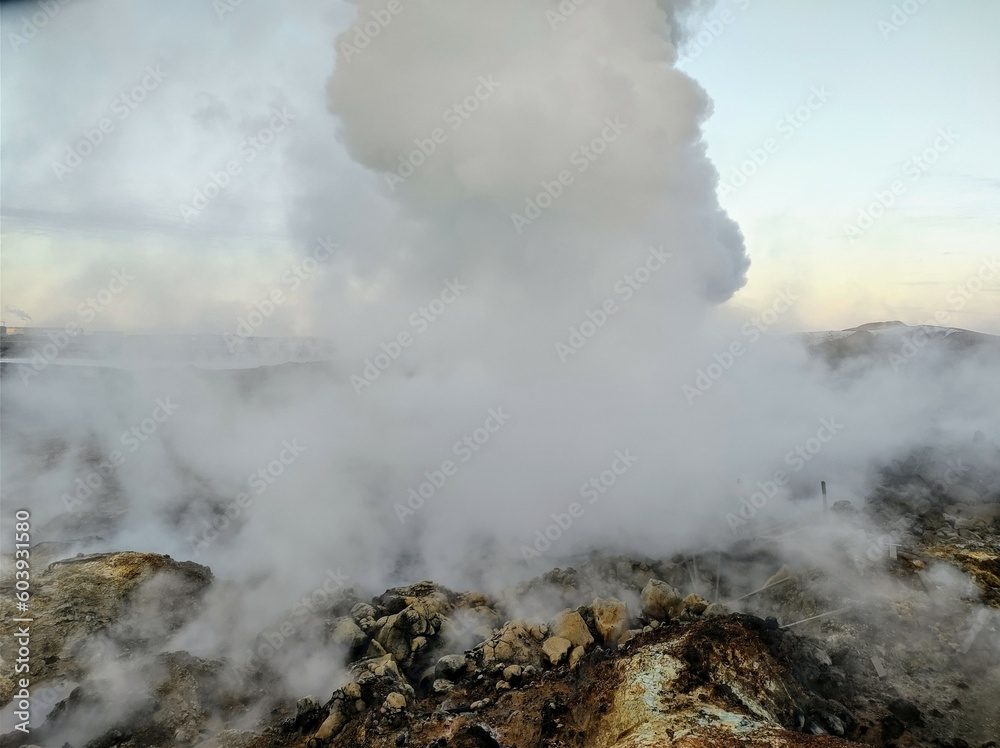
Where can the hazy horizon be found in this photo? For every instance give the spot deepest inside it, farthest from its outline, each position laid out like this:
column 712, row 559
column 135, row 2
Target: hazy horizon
column 847, row 121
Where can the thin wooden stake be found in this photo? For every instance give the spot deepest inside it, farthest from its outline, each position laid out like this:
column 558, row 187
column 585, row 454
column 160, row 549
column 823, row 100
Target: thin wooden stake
column 821, row 615
column 765, row 587
column 718, row 576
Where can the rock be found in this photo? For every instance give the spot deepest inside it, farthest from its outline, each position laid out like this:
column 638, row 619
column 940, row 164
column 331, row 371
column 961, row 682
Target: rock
column 556, row 648
column 575, row 656
column 378, row 666
column 502, row 685
column 395, row 638
column 442, row 685
column 641, row 577
column 346, row 633
column 512, row 674
column 834, row 724
column 514, row 644
column 906, row 712
column 656, row 698
column 628, row 636
column 451, row 667
column 539, row 632
column 610, row 619
column 363, row 610
column 84, row 607
column 366, row 617
column 306, row 704
column 822, row 657
column 661, row 601
column 716, row 610
column 405, row 633
column 934, row 519
column 395, row 701
column 569, row 625
column 333, row 724
column 695, row 605
column 352, row 690
column 165, row 695
column 417, row 620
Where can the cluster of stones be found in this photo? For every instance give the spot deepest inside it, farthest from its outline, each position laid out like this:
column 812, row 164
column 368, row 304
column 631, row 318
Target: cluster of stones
column 413, row 636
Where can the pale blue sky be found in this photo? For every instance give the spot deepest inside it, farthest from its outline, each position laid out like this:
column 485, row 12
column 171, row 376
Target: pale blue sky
column 889, row 99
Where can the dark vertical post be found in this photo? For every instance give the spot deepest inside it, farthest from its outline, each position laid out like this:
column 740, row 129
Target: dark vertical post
column 826, row 507
column 718, row 576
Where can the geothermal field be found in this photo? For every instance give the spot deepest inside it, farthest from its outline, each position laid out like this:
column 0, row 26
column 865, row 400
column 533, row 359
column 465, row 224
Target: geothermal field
column 499, row 374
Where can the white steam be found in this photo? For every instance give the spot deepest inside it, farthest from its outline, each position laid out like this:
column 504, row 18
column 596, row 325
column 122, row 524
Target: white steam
column 508, row 342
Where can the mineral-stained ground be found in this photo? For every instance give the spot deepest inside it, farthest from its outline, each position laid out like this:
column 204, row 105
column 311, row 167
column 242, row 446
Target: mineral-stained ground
column 893, row 640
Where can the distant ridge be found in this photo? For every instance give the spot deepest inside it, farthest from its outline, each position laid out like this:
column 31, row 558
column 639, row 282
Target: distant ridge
column 875, row 342
column 878, row 325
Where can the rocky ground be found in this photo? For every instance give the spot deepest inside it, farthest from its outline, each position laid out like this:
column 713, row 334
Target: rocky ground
column 891, row 639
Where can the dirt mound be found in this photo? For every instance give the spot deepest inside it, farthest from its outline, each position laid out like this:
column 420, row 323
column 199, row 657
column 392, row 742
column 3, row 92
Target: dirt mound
column 97, row 607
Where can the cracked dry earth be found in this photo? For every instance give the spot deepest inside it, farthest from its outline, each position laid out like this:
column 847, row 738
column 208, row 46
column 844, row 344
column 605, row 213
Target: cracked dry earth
column 611, row 653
